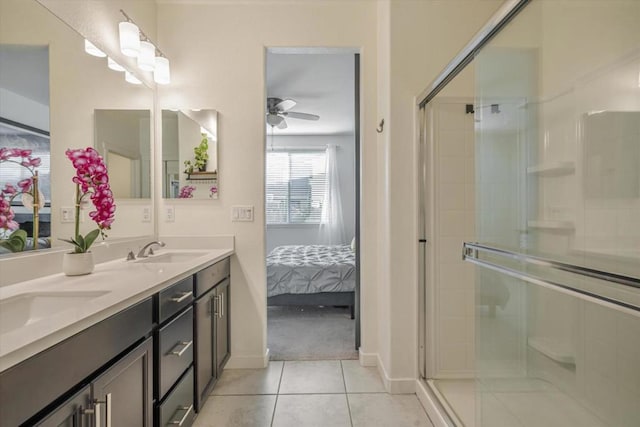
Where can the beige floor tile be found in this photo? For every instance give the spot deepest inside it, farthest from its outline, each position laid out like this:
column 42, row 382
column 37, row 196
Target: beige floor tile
column 312, row 410
column 384, row 410
column 250, row 381
column 312, row 377
column 237, row 411
column 361, row 379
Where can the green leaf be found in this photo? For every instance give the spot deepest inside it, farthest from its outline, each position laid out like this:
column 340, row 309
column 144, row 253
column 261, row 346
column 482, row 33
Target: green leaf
column 90, row 238
column 80, row 242
column 16, row 241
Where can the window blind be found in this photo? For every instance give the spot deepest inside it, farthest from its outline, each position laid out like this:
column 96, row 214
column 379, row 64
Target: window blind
column 295, row 187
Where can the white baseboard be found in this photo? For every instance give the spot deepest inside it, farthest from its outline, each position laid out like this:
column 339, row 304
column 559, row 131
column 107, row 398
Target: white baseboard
column 368, row 359
column 395, row 385
column 248, row 362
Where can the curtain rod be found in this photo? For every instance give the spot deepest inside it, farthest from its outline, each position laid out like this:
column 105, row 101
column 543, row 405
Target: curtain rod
column 498, row 21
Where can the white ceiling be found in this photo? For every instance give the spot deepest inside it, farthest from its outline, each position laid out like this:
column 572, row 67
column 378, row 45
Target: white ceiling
column 321, row 83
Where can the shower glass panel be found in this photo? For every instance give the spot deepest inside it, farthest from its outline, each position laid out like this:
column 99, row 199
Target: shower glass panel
column 557, row 161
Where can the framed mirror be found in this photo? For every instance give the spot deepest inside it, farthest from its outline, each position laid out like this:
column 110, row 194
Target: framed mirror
column 190, row 154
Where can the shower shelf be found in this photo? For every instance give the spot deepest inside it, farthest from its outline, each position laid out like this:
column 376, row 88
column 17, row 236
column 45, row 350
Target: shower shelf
column 552, row 169
column 553, row 349
column 545, row 224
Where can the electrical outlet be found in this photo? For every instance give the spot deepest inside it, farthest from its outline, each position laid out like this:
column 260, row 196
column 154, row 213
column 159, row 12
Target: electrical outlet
column 66, row 215
column 242, row 213
column 146, row 214
column 169, row 214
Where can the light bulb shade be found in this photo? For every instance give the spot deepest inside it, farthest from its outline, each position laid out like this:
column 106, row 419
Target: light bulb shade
column 129, row 39
column 162, row 72
column 114, row 65
column 147, row 56
column 131, row 78
column 91, row 49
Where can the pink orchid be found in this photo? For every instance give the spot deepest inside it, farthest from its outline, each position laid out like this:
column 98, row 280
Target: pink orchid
column 25, row 184
column 186, row 192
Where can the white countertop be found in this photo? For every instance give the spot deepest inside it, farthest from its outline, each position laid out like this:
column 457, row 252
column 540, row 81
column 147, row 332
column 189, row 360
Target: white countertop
column 125, row 283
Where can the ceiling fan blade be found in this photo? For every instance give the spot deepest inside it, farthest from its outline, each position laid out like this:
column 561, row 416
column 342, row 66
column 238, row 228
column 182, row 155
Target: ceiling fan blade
column 274, row 119
column 303, row 116
column 283, row 124
column 285, row 105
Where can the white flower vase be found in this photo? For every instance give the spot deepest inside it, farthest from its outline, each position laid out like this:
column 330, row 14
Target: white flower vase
column 74, row 264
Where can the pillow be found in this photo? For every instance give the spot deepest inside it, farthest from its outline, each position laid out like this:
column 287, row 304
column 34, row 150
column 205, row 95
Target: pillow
column 353, row 244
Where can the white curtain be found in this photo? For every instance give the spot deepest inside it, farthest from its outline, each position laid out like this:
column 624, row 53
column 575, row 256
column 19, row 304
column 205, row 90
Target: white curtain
column 331, row 227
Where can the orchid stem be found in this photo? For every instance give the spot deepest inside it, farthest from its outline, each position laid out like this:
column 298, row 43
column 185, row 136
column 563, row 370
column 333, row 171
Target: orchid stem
column 77, row 233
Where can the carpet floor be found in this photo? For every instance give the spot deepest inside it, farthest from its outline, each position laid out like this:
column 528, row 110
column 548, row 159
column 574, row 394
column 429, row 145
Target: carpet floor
column 310, row 333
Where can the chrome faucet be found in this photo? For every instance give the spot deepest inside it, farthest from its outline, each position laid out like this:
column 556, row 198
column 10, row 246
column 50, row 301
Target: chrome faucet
column 141, row 253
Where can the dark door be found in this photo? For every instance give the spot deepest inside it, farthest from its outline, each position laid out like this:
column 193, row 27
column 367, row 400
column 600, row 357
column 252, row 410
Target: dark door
column 123, row 394
column 72, row 413
column 204, row 361
column 357, row 168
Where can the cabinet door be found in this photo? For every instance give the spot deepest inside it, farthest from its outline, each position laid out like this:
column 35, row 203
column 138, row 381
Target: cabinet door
column 204, row 361
column 72, row 413
column 123, row 394
column 222, row 325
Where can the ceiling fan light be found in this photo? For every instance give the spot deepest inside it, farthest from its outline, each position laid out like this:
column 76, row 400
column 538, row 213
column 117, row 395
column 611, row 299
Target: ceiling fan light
column 129, row 39
column 91, row 49
column 131, row 78
column 147, row 56
column 162, row 71
column 274, row 119
column 112, row 64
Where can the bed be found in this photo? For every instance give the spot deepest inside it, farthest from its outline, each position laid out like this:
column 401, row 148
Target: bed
column 311, row 275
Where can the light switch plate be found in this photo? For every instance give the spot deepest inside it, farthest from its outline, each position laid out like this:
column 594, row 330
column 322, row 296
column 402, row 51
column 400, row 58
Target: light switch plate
column 169, row 214
column 66, row 215
column 242, row 213
column 146, row 214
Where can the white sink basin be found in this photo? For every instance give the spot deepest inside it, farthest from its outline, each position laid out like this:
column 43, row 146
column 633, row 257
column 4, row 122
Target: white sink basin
column 28, row 308
column 171, row 257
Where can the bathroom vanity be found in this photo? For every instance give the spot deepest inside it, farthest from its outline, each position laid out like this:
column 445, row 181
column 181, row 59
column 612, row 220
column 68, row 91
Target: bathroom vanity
column 152, row 362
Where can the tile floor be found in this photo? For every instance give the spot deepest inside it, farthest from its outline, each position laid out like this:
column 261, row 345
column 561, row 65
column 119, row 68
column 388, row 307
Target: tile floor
column 308, row 393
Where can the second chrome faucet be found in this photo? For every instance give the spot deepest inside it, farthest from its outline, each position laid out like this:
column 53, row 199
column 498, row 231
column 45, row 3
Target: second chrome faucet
column 142, row 254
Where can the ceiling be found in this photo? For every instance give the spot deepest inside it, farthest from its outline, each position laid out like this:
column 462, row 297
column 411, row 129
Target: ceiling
column 24, row 70
column 321, row 83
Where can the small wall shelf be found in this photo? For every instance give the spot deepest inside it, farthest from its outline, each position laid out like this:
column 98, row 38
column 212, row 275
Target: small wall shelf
column 202, row 176
column 545, row 224
column 552, row 169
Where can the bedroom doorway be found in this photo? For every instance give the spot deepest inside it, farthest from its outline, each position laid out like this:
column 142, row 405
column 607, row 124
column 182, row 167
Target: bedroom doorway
column 311, row 202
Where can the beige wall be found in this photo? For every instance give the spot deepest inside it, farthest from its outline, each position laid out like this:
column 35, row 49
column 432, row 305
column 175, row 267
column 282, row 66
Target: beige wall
column 218, row 61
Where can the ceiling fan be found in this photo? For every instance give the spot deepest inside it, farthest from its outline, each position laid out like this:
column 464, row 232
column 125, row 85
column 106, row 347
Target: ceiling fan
column 278, row 111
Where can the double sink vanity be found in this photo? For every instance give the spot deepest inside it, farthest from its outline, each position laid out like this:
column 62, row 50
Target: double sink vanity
column 135, row 343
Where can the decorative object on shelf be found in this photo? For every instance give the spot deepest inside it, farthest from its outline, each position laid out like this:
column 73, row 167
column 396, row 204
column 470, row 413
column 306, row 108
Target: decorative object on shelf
column 201, row 156
column 91, row 179
column 32, row 198
column 186, row 192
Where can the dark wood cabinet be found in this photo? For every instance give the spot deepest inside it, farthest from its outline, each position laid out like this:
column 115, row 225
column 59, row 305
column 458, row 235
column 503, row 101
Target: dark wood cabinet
column 123, row 394
column 72, row 413
column 221, row 324
column 206, row 371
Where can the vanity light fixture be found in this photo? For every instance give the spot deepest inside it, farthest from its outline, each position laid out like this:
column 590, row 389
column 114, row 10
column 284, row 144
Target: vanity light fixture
column 162, row 72
column 150, row 58
column 131, row 78
column 91, row 49
column 114, row 65
column 129, row 39
column 147, row 56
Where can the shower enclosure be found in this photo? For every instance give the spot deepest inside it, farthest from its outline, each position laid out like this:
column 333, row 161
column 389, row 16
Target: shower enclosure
column 540, row 324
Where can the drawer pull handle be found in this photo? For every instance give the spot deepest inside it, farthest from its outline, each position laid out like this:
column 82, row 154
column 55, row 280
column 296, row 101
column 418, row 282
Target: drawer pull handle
column 215, row 299
column 181, row 421
column 185, row 345
column 183, row 297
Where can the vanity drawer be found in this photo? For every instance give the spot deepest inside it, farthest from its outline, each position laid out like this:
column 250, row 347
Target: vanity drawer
column 175, row 298
column 211, row 276
column 175, row 350
column 177, row 409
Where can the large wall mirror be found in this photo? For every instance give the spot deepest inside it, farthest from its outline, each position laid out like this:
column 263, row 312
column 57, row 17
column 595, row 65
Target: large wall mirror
column 54, row 96
column 190, row 154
